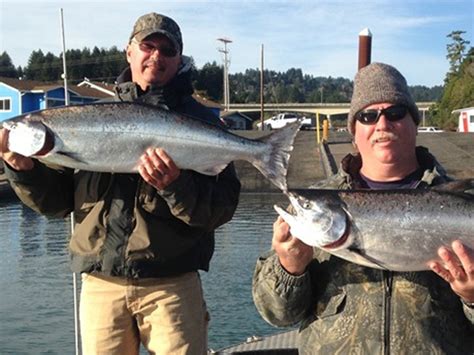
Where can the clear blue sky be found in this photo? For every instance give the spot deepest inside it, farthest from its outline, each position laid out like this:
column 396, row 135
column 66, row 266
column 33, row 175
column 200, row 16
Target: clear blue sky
column 320, row 37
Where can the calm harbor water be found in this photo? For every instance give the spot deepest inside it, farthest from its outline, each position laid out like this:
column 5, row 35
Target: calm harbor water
column 36, row 295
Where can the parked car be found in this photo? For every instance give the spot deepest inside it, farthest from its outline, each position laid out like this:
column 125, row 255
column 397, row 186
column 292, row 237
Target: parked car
column 429, row 129
column 282, row 119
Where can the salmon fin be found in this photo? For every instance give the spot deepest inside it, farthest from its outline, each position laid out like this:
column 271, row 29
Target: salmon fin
column 70, row 159
column 367, row 258
column 212, row 170
column 274, row 163
column 456, row 186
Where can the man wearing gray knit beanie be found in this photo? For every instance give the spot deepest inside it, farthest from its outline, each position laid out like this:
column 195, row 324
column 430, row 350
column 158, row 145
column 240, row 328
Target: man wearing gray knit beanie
column 376, row 83
column 348, row 308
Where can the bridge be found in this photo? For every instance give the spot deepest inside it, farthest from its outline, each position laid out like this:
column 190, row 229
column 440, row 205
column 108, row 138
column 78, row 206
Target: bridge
column 327, row 109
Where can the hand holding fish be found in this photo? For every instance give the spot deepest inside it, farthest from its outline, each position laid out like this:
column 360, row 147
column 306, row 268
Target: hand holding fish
column 458, row 269
column 157, row 168
column 293, row 254
column 16, row 161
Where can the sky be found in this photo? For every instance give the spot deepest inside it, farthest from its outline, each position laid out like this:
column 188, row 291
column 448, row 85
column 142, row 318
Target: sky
column 319, row 37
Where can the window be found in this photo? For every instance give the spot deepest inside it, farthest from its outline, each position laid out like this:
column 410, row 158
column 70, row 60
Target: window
column 5, row 104
column 471, row 119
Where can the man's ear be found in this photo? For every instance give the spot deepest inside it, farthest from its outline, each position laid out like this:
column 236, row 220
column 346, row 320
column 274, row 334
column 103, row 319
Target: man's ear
column 129, row 52
column 354, row 145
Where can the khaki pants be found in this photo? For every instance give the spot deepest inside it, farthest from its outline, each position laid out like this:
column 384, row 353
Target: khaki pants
column 168, row 315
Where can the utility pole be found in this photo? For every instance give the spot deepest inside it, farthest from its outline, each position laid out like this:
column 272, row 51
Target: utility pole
column 64, row 74
column 226, row 71
column 262, row 86
column 75, row 288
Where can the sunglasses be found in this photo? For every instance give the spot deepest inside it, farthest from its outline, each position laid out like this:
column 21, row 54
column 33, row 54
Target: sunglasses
column 393, row 113
column 164, row 50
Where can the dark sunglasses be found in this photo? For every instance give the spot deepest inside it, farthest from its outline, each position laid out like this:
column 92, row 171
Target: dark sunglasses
column 164, row 50
column 392, row 114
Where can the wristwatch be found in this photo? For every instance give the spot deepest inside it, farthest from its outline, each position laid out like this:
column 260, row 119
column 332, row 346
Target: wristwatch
column 468, row 304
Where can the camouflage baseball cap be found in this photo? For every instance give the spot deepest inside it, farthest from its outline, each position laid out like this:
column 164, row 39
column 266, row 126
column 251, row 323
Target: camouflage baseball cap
column 151, row 23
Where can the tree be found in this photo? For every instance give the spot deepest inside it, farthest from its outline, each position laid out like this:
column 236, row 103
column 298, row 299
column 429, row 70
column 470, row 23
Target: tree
column 35, row 65
column 7, row 69
column 456, row 51
column 458, row 93
column 210, row 80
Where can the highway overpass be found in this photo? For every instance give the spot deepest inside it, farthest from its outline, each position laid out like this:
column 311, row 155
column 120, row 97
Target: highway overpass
column 327, row 109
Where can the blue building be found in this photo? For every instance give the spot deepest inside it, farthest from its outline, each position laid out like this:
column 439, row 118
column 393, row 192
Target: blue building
column 21, row 96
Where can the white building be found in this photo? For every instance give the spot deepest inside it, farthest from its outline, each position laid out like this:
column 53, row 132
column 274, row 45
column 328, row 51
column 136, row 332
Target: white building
column 466, row 119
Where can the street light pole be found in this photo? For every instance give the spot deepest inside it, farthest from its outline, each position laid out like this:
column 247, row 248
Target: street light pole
column 226, row 72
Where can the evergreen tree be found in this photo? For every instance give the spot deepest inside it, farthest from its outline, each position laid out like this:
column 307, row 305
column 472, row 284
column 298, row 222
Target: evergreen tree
column 210, row 81
column 7, row 69
column 35, row 65
column 456, row 51
column 105, row 65
column 458, row 93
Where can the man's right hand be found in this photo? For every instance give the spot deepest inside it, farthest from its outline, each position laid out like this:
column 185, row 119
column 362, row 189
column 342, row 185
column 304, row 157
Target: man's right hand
column 293, row 254
column 16, row 161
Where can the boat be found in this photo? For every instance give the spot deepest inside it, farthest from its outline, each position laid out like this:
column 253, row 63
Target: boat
column 282, row 343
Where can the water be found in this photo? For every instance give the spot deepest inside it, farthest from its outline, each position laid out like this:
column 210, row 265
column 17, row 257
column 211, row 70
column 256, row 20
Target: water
column 36, row 296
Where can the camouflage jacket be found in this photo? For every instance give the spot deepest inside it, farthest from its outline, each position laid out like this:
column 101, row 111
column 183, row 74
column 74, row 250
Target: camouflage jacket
column 345, row 308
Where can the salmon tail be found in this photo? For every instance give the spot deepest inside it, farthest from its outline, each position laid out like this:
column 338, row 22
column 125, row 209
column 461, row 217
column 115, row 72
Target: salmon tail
column 274, row 163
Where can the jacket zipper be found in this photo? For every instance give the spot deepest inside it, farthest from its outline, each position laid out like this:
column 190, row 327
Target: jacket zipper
column 388, row 279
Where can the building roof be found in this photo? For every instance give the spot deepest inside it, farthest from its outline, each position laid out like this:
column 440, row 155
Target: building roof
column 98, row 86
column 41, row 86
column 463, row 109
column 235, row 113
column 89, row 92
column 27, row 85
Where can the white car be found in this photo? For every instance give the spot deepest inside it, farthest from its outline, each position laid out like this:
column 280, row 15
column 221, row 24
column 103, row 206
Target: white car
column 283, row 119
column 429, row 129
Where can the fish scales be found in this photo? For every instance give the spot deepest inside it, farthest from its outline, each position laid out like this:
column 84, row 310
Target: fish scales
column 111, row 137
column 398, row 230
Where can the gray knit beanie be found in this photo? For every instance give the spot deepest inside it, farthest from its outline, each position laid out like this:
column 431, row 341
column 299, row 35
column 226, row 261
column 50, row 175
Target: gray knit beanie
column 377, row 83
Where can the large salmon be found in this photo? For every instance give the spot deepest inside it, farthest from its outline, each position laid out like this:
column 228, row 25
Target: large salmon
column 111, row 137
column 398, row 230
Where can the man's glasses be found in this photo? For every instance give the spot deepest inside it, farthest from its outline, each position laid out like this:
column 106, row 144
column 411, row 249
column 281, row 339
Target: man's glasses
column 392, row 114
column 164, row 50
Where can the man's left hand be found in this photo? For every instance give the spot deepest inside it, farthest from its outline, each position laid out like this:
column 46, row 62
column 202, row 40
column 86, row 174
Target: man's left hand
column 157, row 168
column 458, row 269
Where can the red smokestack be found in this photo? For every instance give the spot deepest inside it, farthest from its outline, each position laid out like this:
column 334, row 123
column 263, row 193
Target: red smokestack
column 365, row 47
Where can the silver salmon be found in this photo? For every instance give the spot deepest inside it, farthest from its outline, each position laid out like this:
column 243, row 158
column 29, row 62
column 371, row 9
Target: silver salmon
column 111, row 137
column 398, row 230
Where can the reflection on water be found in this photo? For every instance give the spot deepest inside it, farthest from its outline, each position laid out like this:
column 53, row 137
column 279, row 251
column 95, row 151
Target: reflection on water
column 36, row 297
column 228, row 285
column 35, row 283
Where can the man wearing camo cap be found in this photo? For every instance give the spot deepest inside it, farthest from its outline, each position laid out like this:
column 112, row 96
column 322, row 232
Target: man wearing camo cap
column 139, row 239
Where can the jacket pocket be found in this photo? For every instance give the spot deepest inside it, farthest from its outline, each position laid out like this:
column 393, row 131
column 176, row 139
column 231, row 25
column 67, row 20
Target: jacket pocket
column 90, row 188
column 334, row 306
